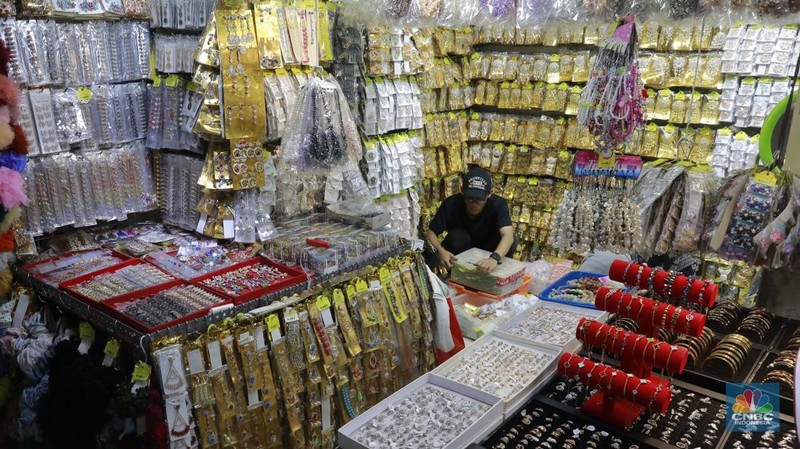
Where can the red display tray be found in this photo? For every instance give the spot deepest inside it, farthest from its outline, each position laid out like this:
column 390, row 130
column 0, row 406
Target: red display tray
column 112, row 307
column 296, row 276
column 67, row 285
column 34, row 267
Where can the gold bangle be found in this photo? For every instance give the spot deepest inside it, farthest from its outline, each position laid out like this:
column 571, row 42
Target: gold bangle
column 727, row 360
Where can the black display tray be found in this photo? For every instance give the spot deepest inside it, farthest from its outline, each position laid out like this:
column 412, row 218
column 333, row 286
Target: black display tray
column 695, row 419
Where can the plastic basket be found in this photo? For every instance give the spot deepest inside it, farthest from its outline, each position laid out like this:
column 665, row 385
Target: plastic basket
column 545, row 294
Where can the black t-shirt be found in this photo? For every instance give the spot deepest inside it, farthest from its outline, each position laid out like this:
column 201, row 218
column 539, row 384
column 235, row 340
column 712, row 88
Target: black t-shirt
column 452, row 214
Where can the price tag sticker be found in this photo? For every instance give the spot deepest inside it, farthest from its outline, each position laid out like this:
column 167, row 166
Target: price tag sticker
column 83, row 94
column 273, row 322
column 361, row 286
column 607, row 163
column 323, row 303
column 338, row 297
column 112, row 348
column 141, row 372
column 86, row 331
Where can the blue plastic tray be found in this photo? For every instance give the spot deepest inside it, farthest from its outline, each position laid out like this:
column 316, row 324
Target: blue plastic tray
column 545, row 294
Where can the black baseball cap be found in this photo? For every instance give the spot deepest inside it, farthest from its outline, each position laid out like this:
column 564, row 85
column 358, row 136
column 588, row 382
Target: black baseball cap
column 477, row 183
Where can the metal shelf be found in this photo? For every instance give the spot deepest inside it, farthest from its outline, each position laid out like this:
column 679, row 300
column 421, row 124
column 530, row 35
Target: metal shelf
column 136, row 339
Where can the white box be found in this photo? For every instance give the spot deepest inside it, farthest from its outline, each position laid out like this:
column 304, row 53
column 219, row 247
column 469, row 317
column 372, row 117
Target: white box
column 573, row 345
column 531, row 387
column 476, row 432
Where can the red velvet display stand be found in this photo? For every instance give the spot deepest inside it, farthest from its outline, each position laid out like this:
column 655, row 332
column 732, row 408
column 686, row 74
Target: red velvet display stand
column 639, row 276
column 639, row 354
column 625, row 394
column 650, row 314
column 622, row 397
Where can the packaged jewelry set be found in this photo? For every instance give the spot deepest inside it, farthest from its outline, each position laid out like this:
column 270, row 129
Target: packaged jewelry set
column 391, row 105
column 181, row 15
column 747, row 101
column 173, row 109
column 175, row 54
column 79, row 190
column 177, row 186
column 392, row 163
column 46, row 53
column 181, row 425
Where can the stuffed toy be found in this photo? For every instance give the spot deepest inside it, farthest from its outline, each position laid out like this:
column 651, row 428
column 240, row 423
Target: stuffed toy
column 13, row 148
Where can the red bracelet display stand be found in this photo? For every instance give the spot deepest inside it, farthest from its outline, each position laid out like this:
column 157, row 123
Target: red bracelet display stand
column 639, row 354
column 682, row 287
column 650, row 314
column 632, row 389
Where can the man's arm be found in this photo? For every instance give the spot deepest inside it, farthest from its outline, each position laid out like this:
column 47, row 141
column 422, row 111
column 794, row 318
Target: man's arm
column 446, row 258
column 506, row 240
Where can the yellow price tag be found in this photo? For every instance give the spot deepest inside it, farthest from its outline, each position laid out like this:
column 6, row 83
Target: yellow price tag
column 84, row 94
column 273, row 322
column 338, row 297
column 607, row 163
column 351, row 291
column 172, row 81
column 112, row 348
column 766, row 178
column 361, row 286
column 384, row 274
column 323, row 303
column 86, row 331
column 141, row 372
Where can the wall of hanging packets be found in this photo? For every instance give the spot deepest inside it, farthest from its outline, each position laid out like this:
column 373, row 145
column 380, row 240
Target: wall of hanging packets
column 687, row 114
column 55, row 62
column 384, row 108
column 293, row 377
column 80, row 190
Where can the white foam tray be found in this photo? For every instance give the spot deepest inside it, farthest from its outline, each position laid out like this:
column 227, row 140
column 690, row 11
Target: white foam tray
column 534, row 384
column 475, row 433
column 573, row 345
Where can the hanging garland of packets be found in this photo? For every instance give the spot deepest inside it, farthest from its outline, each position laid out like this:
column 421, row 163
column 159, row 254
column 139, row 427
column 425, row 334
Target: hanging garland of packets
column 611, row 104
column 599, row 213
column 291, row 379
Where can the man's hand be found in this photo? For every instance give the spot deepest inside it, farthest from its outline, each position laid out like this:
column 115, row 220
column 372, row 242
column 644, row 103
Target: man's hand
column 446, row 258
column 486, row 265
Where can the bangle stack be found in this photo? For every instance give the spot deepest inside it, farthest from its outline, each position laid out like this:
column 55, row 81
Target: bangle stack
column 756, row 324
column 782, row 369
column 731, row 352
column 723, row 315
column 697, row 346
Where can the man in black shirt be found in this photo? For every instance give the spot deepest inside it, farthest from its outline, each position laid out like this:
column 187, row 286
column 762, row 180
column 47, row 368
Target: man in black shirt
column 473, row 219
